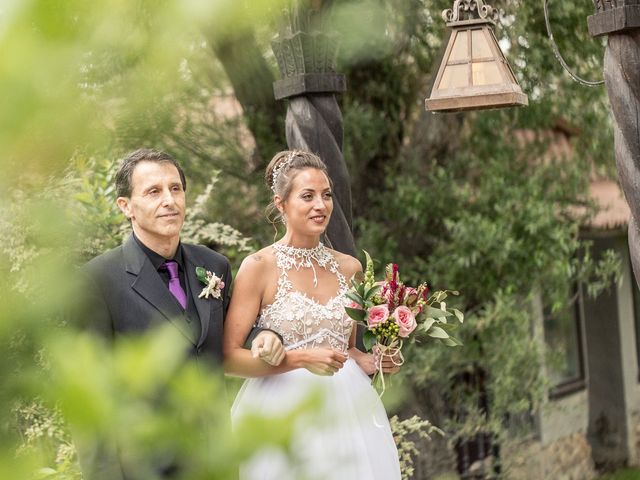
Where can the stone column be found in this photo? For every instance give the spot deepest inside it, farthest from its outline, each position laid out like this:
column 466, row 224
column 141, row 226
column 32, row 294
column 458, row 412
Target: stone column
column 306, row 53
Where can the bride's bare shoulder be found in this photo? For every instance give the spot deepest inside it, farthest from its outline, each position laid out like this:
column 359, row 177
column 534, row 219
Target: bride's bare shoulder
column 259, row 262
column 348, row 265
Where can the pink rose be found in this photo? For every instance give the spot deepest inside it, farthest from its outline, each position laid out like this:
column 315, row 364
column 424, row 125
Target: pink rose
column 377, row 315
column 405, row 320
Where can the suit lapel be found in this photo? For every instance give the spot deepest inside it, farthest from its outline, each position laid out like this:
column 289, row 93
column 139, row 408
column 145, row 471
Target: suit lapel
column 203, row 305
column 149, row 285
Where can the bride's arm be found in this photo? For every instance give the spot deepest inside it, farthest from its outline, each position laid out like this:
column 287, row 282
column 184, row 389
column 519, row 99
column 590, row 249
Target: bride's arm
column 246, row 300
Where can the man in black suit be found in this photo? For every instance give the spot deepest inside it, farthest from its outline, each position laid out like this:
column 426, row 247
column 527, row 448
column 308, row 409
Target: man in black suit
column 151, row 279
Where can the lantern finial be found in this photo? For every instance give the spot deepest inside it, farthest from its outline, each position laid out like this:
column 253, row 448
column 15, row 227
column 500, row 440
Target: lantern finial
column 484, row 11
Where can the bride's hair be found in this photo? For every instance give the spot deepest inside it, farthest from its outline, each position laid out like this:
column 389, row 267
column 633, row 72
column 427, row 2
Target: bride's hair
column 282, row 169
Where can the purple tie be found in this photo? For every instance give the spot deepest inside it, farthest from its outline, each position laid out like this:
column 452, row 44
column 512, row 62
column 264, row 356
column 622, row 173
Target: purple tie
column 174, row 282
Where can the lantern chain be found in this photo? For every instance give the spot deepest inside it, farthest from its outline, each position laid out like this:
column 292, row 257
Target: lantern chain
column 556, row 52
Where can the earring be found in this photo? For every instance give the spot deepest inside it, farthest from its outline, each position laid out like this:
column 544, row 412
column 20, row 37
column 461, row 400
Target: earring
column 283, row 218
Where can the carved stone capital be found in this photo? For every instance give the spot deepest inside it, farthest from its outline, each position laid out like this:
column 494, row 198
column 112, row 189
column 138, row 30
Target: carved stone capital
column 614, row 16
column 302, row 52
column 307, row 51
column 469, row 10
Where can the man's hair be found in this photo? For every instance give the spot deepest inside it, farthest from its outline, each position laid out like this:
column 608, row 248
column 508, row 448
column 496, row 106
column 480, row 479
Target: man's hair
column 128, row 165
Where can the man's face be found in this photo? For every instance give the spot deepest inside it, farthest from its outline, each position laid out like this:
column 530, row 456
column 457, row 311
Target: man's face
column 157, row 203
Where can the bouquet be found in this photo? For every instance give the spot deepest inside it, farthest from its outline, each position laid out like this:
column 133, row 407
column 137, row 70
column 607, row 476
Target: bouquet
column 393, row 313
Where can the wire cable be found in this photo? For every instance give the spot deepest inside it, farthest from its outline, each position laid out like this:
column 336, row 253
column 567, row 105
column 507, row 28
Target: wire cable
column 556, row 52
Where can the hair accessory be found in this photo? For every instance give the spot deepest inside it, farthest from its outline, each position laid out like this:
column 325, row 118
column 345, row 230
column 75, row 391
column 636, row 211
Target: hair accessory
column 280, row 167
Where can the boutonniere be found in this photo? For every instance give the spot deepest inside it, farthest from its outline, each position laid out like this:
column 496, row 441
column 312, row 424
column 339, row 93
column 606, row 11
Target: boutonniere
column 213, row 284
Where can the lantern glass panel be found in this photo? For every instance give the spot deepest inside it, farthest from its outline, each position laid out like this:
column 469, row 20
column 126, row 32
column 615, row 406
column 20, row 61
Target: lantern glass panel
column 455, row 76
column 486, row 73
column 479, row 45
column 460, row 50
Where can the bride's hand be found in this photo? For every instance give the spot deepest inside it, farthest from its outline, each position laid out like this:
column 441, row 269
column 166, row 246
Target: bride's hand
column 367, row 362
column 321, row 361
column 364, row 360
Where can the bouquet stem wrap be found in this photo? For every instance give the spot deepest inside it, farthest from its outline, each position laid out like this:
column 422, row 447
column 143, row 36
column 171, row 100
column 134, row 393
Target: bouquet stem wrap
column 393, row 352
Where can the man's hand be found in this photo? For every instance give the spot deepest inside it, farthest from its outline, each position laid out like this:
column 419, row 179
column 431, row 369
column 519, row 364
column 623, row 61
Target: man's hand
column 268, row 347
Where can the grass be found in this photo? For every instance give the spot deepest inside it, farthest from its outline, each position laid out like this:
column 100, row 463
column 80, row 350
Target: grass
column 626, row 474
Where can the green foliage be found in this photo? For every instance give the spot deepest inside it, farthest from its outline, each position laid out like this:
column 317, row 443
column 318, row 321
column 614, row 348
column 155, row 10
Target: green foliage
column 625, row 474
column 404, row 433
column 81, row 83
column 45, row 436
column 481, row 202
column 459, row 199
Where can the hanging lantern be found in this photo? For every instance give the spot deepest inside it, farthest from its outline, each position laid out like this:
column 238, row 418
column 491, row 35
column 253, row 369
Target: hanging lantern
column 474, row 73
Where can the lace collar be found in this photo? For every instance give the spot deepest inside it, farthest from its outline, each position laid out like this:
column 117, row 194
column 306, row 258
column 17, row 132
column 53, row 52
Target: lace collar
column 288, row 257
column 294, row 257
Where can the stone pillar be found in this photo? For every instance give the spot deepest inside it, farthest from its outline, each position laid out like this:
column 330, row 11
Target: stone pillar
column 306, row 53
column 612, row 365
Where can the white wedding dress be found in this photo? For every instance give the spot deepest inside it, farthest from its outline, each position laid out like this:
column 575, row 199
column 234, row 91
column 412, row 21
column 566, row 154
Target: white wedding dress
column 348, row 437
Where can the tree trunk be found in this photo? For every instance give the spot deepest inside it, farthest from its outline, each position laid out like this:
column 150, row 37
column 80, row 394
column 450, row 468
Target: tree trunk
column 252, row 81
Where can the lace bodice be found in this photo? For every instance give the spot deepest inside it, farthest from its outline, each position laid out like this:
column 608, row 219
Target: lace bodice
column 299, row 319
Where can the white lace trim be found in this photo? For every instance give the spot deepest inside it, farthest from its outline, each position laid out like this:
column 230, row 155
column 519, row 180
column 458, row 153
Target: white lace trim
column 300, row 320
column 288, row 257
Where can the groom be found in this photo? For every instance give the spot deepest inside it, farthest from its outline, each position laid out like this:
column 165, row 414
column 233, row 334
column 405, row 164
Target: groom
column 151, row 279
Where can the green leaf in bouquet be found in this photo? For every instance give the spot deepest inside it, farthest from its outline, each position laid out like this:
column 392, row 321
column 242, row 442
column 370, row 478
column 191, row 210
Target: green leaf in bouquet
column 356, row 313
column 369, row 340
column 452, row 342
column 427, row 324
column 448, row 327
column 437, row 332
column 459, row 315
column 371, row 292
column 440, row 295
column 358, row 287
column 355, row 297
column 436, row 312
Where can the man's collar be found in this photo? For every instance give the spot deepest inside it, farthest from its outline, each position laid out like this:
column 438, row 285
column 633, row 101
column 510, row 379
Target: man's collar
column 156, row 259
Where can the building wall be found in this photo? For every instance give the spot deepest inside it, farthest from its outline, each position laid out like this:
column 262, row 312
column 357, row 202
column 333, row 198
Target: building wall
column 559, row 449
column 613, row 364
column 566, row 458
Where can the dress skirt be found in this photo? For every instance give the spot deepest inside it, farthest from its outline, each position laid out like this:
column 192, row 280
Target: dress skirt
column 346, row 435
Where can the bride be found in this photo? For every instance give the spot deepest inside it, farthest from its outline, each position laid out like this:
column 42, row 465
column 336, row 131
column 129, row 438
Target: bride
column 296, row 287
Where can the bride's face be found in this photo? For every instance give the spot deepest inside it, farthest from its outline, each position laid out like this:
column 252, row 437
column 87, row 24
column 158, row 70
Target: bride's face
column 308, row 208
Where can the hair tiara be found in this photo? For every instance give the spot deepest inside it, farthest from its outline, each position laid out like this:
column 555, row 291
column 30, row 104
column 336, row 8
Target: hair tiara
column 280, row 167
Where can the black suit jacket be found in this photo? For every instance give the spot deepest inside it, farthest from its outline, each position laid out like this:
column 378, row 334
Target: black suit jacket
column 128, row 296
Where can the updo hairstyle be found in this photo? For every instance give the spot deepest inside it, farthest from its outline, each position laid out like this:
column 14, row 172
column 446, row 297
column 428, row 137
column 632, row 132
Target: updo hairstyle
column 282, row 169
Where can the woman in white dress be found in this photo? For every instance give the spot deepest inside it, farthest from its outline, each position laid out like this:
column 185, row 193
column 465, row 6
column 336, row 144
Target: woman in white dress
column 297, row 288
